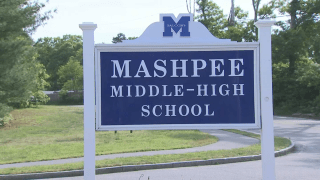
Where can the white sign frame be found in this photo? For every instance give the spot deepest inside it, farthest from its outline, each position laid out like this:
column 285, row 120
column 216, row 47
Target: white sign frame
column 177, row 48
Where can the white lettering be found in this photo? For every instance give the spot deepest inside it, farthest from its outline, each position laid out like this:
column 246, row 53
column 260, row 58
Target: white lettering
column 170, row 110
column 199, row 110
column 187, row 110
column 183, row 68
column 165, row 91
column 138, row 91
column 178, row 89
column 213, row 90
column 145, row 109
column 196, row 68
column 120, row 70
column 154, row 110
column 160, row 68
column 204, row 90
column 235, row 89
column 183, row 110
column 215, row 67
column 235, row 67
column 226, row 91
column 207, row 110
column 129, row 91
column 151, row 91
column 115, row 91
column 144, row 70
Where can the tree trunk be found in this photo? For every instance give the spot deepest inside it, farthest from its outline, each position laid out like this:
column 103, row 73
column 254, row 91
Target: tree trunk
column 231, row 15
column 255, row 4
column 294, row 6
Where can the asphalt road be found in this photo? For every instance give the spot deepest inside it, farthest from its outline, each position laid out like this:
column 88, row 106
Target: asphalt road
column 303, row 164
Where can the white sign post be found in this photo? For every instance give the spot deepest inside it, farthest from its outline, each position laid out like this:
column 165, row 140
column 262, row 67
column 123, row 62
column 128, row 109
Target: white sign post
column 182, row 35
column 267, row 135
column 89, row 100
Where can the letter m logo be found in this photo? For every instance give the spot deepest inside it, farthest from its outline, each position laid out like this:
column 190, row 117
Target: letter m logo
column 169, row 24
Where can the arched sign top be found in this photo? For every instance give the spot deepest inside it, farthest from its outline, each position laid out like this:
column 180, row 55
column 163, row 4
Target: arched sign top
column 176, row 30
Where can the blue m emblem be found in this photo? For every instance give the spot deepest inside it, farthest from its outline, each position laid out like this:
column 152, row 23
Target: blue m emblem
column 169, row 24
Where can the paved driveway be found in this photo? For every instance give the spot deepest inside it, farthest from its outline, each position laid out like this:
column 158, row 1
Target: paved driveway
column 304, row 164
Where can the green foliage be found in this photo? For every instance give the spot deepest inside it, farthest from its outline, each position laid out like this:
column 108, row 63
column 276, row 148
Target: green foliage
column 20, row 17
column 4, row 109
column 24, row 82
column 70, row 97
column 38, row 96
column 120, row 37
column 242, row 30
column 71, row 75
column 295, row 54
column 308, row 78
column 63, row 94
column 20, row 73
column 289, row 46
column 297, row 92
column 5, row 120
column 56, row 52
column 132, row 38
column 267, row 11
column 211, row 16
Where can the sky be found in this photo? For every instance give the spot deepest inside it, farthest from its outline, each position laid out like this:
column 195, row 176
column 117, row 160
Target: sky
column 130, row 17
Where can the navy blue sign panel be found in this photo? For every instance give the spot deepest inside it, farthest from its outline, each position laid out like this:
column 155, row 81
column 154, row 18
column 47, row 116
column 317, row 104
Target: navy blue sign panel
column 184, row 87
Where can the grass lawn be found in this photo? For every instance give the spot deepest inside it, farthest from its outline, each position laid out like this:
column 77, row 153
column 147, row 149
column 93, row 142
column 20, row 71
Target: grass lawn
column 56, row 132
column 280, row 143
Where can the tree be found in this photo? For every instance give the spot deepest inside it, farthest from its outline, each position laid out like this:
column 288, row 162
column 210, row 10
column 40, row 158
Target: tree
column 120, row 37
column 298, row 31
column 71, row 75
column 18, row 65
column 242, row 29
column 255, row 4
column 295, row 49
column 56, row 52
column 212, row 17
column 41, row 84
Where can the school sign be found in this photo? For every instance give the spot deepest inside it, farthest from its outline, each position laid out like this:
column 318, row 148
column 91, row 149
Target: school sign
column 176, row 75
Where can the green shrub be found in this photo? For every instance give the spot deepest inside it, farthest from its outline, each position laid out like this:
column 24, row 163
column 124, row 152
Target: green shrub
column 4, row 120
column 70, row 98
column 298, row 91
